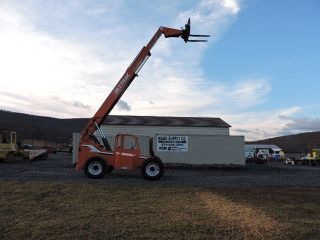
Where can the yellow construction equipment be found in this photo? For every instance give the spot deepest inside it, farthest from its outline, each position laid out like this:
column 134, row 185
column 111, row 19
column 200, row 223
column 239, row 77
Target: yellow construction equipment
column 9, row 149
column 8, row 144
column 316, row 153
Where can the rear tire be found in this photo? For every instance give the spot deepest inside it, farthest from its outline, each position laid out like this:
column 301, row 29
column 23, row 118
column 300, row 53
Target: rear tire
column 96, row 167
column 152, row 168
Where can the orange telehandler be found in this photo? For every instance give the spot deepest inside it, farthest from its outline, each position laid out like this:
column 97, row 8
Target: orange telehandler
column 98, row 158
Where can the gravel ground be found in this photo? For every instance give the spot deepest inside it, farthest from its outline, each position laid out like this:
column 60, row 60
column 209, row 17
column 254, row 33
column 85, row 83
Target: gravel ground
column 58, row 168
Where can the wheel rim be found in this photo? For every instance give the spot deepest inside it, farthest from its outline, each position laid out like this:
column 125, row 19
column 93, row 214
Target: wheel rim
column 152, row 169
column 95, row 168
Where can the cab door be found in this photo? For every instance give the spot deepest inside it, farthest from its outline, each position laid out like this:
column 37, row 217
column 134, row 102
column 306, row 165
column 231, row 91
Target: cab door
column 127, row 152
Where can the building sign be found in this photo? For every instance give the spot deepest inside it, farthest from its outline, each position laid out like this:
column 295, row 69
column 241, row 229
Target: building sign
column 172, row 143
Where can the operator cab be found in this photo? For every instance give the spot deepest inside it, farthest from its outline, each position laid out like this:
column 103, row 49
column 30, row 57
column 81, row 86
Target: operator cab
column 126, row 152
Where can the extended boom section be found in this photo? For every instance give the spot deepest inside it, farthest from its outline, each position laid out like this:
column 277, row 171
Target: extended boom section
column 125, row 81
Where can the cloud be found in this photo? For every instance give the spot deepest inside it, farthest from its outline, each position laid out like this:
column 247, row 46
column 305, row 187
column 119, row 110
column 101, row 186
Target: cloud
column 233, row 5
column 123, row 106
column 241, row 131
column 250, row 92
column 50, row 65
column 261, row 124
column 63, row 60
column 37, row 68
column 302, row 124
column 78, row 104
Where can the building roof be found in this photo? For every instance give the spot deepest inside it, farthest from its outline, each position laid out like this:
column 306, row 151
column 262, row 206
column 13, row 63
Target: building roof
column 166, row 121
column 271, row 146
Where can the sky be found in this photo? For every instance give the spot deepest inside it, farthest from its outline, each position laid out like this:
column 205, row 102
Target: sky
column 259, row 72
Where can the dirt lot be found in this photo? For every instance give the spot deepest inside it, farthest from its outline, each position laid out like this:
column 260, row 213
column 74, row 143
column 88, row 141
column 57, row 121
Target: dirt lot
column 58, row 168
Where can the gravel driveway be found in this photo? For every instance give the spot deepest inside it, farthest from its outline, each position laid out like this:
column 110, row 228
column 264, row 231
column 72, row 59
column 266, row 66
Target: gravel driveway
column 58, row 168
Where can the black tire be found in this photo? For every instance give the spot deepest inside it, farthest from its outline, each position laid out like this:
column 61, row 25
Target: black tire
column 110, row 169
column 152, row 168
column 96, row 167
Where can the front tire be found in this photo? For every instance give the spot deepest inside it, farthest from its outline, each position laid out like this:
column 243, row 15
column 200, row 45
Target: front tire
column 152, row 168
column 96, row 167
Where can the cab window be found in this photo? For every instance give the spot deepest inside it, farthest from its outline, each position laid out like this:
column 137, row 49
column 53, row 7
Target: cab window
column 129, row 143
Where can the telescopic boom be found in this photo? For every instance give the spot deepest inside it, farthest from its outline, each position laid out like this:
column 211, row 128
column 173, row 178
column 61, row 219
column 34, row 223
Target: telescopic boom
column 132, row 71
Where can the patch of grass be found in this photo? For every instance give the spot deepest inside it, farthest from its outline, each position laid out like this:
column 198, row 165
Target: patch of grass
column 296, row 209
column 34, row 210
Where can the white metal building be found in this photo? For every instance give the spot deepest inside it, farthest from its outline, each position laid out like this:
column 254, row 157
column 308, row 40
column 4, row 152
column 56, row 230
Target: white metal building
column 205, row 140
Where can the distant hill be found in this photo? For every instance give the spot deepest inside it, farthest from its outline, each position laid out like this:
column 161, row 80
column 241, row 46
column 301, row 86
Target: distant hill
column 298, row 143
column 60, row 131
column 40, row 128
